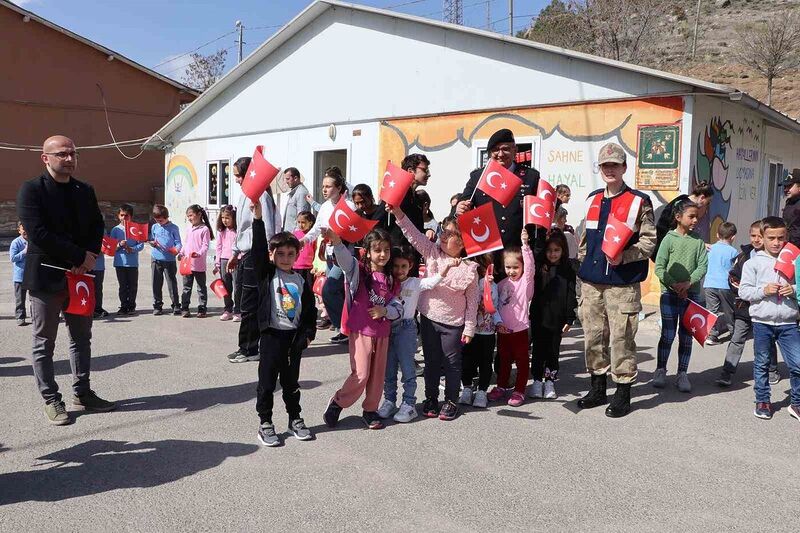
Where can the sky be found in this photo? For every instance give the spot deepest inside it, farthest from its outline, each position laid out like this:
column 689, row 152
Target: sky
column 160, row 33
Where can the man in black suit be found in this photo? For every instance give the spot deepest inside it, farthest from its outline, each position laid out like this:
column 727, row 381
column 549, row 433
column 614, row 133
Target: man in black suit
column 65, row 229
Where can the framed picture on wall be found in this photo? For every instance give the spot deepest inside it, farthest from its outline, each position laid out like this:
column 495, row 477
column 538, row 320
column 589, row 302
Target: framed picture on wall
column 218, row 183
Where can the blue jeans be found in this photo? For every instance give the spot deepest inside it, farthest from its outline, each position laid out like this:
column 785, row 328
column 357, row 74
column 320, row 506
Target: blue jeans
column 787, row 337
column 672, row 309
column 402, row 346
column 333, row 294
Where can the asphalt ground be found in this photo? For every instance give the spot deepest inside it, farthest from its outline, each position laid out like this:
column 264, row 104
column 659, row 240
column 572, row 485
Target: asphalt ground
column 181, row 451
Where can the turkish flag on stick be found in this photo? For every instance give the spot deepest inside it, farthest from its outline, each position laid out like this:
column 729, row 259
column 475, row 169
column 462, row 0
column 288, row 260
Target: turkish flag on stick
column 699, row 321
column 538, row 211
column 615, row 237
column 499, row 182
column 488, row 304
column 259, row 175
column 347, row 224
column 81, row 294
column 109, row 245
column 218, row 288
column 786, row 258
column 396, row 183
column 545, row 191
column 479, row 230
column 137, row 231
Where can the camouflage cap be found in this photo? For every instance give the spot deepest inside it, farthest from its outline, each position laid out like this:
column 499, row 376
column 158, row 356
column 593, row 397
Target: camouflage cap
column 611, row 153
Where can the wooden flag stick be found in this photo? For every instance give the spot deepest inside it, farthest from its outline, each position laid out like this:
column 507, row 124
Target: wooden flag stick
column 64, row 269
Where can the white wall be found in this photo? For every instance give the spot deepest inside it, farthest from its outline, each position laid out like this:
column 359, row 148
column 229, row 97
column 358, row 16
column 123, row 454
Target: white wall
column 353, row 66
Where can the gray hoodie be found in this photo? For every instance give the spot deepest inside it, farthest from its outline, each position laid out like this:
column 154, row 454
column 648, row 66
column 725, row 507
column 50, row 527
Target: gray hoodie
column 775, row 310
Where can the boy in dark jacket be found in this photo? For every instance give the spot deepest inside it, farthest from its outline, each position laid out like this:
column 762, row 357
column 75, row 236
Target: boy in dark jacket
column 791, row 211
column 742, row 326
column 287, row 321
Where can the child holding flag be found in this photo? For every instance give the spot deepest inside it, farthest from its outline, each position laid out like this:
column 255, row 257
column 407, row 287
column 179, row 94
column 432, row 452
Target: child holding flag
column 165, row 238
column 17, row 252
column 198, row 237
column 226, row 238
column 126, row 261
column 681, row 263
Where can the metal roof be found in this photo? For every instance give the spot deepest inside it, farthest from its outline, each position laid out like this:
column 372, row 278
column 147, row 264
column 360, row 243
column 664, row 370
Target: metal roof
column 318, row 7
column 96, row 46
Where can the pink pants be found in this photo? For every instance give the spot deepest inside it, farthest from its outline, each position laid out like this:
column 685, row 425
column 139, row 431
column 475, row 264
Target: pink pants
column 367, row 372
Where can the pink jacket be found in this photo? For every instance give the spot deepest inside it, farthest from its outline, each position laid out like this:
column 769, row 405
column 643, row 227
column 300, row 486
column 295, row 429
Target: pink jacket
column 454, row 301
column 305, row 259
column 515, row 296
column 225, row 241
column 196, row 240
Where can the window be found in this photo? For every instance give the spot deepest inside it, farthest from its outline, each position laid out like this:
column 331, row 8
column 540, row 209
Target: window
column 218, row 183
column 527, row 153
column 322, row 160
column 774, row 188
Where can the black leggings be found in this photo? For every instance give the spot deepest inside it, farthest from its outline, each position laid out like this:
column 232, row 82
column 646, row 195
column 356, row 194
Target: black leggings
column 478, row 356
column 546, row 345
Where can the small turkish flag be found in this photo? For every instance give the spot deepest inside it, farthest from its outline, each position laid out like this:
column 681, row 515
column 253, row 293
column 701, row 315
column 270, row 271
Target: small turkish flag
column 396, row 183
column 185, row 266
column 786, row 258
column 479, row 230
column 81, row 294
column 218, row 288
column 173, row 250
column 488, row 304
column 259, row 175
column 137, row 231
column 538, row 211
column 347, row 224
column 109, row 245
column 615, row 237
column 499, row 182
column 699, row 321
column 545, row 191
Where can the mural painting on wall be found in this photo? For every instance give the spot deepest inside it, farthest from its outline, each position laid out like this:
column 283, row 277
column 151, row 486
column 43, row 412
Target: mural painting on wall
column 728, row 158
column 658, row 158
column 181, row 187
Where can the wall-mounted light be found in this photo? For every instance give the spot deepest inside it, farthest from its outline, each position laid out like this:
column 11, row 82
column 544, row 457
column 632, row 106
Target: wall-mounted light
column 332, row 132
column 26, row 18
column 735, row 96
column 110, row 58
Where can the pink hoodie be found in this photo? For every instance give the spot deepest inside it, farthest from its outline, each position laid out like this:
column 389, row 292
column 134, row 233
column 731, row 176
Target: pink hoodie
column 197, row 240
column 515, row 296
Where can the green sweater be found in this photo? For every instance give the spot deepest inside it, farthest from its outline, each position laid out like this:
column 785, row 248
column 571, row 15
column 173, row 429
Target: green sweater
column 681, row 258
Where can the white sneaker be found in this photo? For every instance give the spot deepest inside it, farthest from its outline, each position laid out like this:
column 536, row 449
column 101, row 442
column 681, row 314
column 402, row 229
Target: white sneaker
column 536, row 390
column 480, row 399
column 387, row 409
column 550, row 390
column 684, row 385
column 226, row 316
column 407, row 413
column 466, row 396
column 660, row 378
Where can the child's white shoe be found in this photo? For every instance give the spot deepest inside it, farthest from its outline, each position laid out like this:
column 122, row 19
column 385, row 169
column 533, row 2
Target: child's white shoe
column 480, row 399
column 407, row 413
column 550, row 390
column 387, row 409
column 466, row 396
column 536, row 390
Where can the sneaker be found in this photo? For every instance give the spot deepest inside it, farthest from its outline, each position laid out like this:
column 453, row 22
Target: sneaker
column 101, row 314
column 764, row 410
column 794, row 411
column 406, row 413
column 496, row 394
column 267, row 435
column 177, row 311
column 92, row 402
column 724, row 379
column 712, row 341
column 226, row 316
column 466, row 396
column 57, row 414
column 186, row 314
column 430, row 408
column 550, row 390
column 387, row 409
column 481, row 401
column 323, row 323
column 372, row 420
column 517, row 399
column 774, row 378
column 237, row 317
column 684, row 385
column 448, row 411
column 536, row 390
column 158, row 312
column 339, row 339
column 244, row 358
column 201, row 314
column 660, row 378
column 234, row 355
column 122, row 312
column 332, row 413
column 22, row 322
column 299, row 429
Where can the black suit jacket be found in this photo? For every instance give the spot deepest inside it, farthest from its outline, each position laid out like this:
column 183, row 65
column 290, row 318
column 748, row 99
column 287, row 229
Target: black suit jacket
column 42, row 210
column 509, row 219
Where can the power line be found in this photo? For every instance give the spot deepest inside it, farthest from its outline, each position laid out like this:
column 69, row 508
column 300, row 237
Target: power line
column 195, row 50
column 411, row 2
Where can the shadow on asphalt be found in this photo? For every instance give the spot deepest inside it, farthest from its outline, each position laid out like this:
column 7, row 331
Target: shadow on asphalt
column 9, row 360
column 99, row 466
column 100, row 363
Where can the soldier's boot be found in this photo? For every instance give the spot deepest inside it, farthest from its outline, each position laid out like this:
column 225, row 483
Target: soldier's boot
column 621, row 402
column 596, row 395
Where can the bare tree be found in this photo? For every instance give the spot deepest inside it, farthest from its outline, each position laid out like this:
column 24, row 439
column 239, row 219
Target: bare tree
column 203, row 71
column 771, row 48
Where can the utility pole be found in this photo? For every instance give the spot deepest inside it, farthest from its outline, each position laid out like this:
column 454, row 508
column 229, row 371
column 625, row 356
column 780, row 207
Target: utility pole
column 511, row 17
column 694, row 40
column 239, row 42
column 489, row 15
